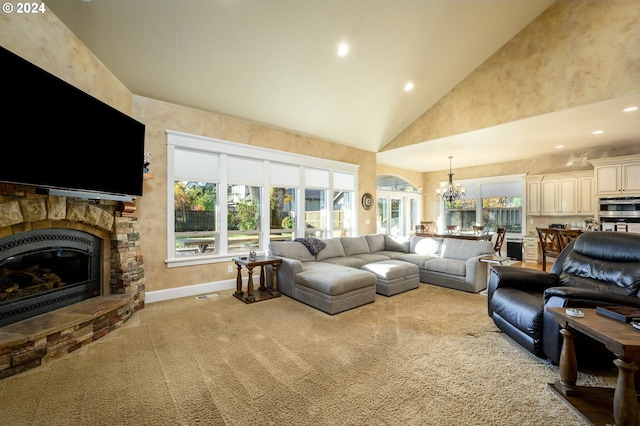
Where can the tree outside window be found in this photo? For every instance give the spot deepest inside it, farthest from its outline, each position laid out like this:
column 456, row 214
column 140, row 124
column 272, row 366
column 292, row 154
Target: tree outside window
column 195, row 217
column 243, row 218
column 503, row 212
column 282, row 205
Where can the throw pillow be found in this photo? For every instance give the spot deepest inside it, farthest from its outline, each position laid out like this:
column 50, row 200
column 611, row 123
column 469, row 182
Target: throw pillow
column 314, row 245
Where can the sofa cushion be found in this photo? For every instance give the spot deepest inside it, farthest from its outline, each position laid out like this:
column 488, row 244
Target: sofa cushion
column 453, row 248
column 333, row 249
column 350, row 261
column 391, row 243
column 335, row 280
column 376, row 242
column 429, row 246
column 372, row 257
column 417, row 259
column 291, row 250
column 447, row 266
column 354, row 245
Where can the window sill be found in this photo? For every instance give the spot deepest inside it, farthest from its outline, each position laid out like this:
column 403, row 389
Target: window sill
column 204, row 259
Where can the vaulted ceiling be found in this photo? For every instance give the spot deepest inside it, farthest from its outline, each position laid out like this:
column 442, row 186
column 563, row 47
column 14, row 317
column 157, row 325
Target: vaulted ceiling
column 276, row 62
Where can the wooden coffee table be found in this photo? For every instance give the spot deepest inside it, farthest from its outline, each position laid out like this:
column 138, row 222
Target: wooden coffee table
column 263, row 292
column 600, row 406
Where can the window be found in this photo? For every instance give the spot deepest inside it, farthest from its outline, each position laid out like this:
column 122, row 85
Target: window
column 227, row 198
column 502, row 212
column 342, row 213
column 461, row 213
column 195, row 221
column 315, row 217
column 282, row 208
column 495, row 202
column 243, row 218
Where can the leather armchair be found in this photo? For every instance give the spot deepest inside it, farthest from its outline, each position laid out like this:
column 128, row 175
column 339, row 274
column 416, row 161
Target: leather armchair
column 597, row 269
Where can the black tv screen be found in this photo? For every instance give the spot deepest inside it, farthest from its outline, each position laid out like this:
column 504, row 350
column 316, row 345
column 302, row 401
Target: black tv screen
column 64, row 138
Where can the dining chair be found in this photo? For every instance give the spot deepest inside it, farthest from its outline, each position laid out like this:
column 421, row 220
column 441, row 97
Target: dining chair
column 453, row 229
column 568, row 235
column 478, row 230
column 497, row 247
column 550, row 244
column 429, row 226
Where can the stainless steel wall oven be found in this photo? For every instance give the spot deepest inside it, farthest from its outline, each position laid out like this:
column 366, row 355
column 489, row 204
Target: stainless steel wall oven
column 621, row 214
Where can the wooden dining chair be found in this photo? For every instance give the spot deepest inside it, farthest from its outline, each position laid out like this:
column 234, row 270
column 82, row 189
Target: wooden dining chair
column 479, row 230
column 429, row 226
column 550, row 244
column 568, row 235
column 497, row 247
column 453, row 229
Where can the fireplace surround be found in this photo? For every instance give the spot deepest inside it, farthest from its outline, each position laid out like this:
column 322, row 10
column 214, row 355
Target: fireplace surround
column 103, row 236
column 42, row 270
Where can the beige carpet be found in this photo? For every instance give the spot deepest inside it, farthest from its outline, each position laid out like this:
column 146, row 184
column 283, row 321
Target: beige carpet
column 430, row 356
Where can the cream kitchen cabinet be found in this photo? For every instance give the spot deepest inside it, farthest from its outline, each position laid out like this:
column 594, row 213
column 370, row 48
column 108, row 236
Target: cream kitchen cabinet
column 586, row 199
column 559, row 197
column 617, row 175
column 560, row 194
column 532, row 251
column 533, row 197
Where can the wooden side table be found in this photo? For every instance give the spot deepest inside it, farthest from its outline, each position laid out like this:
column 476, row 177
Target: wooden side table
column 600, row 406
column 263, row 292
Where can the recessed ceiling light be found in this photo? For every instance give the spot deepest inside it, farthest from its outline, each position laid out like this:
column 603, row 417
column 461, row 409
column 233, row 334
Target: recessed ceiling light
column 631, row 109
column 343, row 49
column 598, row 132
column 408, row 87
column 559, row 146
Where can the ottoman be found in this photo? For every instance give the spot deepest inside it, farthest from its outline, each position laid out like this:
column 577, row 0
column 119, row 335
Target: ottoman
column 394, row 276
column 335, row 288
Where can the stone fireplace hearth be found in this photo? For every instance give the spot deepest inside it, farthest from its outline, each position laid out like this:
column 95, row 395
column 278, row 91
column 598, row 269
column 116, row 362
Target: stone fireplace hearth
column 30, row 342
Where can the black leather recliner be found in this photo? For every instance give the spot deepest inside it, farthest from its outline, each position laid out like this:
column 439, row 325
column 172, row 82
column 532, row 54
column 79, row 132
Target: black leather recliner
column 599, row 268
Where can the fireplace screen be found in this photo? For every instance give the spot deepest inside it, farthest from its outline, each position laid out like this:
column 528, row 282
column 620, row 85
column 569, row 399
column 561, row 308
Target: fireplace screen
column 46, row 269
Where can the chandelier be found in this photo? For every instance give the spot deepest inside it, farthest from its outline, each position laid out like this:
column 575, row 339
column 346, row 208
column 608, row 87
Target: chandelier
column 450, row 192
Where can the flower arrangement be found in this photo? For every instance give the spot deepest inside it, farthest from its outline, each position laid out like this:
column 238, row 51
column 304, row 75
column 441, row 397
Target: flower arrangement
column 146, row 161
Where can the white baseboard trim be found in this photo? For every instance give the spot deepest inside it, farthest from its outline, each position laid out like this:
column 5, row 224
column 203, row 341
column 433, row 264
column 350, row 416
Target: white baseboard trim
column 191, row 290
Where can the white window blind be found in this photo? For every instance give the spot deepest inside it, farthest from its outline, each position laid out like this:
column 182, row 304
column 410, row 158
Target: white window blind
column 245, row 170
column 284, row 175
column 503, row 189
column 316, row 178
column 344, row 181
column 196, row 165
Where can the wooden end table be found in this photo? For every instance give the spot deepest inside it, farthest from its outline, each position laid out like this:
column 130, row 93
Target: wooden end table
column 600, row 406
column 263, row 292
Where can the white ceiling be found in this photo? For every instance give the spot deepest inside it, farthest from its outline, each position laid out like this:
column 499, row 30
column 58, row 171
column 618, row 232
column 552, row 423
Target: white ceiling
column 275, row 62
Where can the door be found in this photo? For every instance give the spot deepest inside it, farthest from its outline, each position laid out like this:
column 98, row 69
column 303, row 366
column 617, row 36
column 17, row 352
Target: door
column 397, row 214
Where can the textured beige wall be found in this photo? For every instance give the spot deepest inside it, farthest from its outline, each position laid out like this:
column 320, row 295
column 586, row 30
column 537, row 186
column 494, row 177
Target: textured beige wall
column 42, row 39
column 575, row 53
column 152, row 207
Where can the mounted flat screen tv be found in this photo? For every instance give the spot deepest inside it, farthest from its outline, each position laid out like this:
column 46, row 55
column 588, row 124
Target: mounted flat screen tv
column 57, row 137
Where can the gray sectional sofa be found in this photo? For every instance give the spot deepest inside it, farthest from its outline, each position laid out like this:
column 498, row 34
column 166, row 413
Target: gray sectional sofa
column 338, row 274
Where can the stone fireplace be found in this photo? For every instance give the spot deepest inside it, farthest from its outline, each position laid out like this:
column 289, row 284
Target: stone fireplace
column 85, row 259
column 42, row 270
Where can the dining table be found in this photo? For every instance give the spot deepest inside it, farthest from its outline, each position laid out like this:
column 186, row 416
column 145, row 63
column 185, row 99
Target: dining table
column 458, row 235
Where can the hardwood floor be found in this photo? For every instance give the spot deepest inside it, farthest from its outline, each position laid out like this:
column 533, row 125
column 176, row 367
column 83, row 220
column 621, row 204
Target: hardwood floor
column 530, row 265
